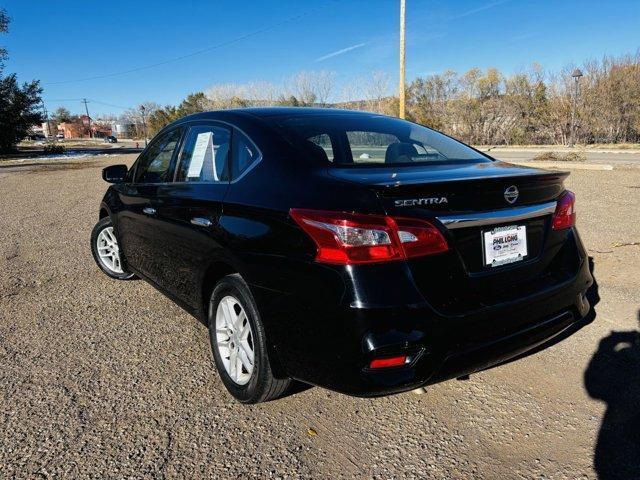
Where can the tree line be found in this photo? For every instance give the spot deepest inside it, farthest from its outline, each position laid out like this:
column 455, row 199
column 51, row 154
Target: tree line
column 19, row 103
column 533, row 107
column 479, row 107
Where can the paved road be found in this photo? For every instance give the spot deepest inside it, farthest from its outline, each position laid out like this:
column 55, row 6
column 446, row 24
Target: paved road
column 616, row 158
column 108, row 379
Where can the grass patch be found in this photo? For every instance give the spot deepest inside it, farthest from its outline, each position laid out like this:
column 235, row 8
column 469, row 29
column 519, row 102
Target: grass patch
column 53, row 148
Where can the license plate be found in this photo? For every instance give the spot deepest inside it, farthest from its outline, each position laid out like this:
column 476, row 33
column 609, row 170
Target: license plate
column 504, row 245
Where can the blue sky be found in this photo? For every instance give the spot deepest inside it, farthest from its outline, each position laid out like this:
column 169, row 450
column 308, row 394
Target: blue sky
column 61, row 43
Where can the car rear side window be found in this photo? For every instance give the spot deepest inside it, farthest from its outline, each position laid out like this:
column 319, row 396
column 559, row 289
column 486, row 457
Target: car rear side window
column 246, row 155
column 154, row 164
column 205, row 155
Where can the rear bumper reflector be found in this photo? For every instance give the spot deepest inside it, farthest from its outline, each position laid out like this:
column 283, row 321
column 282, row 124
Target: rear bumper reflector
column 389, row 362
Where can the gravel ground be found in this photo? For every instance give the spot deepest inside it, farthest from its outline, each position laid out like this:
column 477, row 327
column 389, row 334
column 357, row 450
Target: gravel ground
column 108, row 379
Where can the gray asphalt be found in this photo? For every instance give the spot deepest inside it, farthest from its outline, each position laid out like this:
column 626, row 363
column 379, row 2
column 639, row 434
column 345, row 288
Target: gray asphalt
column 616, row 158
column 108, row 379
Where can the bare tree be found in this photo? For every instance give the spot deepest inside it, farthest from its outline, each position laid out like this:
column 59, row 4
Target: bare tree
column 261, row 93
column 323, row 82
column 479, row 106
column 301, row 86
column 375, row 89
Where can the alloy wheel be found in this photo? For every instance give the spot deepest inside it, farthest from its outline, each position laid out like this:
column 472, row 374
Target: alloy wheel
column 234, row 339
column 108, row 251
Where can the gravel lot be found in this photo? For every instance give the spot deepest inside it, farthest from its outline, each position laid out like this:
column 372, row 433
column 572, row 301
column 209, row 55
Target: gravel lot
column 108, row 379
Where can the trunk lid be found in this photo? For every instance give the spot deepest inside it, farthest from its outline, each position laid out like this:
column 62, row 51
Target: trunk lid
column 465, row 187
column 459, row 281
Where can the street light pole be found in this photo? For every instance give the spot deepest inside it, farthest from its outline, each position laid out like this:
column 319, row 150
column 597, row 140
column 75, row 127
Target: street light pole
column 576, row 74
column 401, row 91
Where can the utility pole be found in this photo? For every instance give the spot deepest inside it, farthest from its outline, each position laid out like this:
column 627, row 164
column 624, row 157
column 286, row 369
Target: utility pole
column 576, row 77
column 86, row 109
column 46, row 119
column 401, row 92
column 144, row 123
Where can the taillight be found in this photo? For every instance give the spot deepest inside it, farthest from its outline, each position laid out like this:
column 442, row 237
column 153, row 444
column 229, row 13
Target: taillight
column 565, row 214
column 420, row 238
column 351, row 238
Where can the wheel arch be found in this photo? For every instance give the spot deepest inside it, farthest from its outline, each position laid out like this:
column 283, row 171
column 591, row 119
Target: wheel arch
column 104, row 211
column 216, row 271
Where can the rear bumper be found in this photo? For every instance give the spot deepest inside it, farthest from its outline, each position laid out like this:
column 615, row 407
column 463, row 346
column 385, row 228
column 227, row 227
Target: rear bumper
column 431, row 368
column 445, row 355
column 331, row 346
column 501, row 350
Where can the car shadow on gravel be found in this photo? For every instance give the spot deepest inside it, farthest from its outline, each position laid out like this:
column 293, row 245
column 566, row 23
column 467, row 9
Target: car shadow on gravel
column 613, row 376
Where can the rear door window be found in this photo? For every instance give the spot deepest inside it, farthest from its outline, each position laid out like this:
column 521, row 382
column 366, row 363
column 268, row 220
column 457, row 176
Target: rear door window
column 205, row 155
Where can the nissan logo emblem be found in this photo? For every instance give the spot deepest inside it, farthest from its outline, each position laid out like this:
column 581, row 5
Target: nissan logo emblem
column 511, row 194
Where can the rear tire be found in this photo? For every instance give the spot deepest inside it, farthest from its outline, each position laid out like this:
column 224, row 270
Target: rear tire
column 239, row 345
column 106, row 251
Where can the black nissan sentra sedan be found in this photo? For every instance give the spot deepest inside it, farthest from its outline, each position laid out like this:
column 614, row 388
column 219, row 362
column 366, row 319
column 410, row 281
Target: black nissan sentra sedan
column 350, row 250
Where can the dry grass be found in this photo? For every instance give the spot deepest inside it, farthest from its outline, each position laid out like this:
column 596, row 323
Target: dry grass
column 561, row 157
column 591, row 146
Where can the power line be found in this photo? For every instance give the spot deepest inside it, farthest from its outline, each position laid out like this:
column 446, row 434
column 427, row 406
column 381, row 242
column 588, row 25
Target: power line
column 193, row 54
column 81, row 100
column 109, row 104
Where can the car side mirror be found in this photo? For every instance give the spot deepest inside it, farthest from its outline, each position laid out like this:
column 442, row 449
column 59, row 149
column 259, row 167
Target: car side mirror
column 115, row 173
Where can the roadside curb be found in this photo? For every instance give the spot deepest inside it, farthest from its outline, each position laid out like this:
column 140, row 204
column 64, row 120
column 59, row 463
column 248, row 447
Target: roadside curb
column 630, row 151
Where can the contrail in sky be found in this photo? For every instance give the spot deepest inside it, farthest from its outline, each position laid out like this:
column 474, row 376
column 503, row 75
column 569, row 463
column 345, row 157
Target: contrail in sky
column 340, row 52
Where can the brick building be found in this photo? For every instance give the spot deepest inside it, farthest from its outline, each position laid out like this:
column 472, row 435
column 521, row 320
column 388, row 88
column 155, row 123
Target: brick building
column 80, row 128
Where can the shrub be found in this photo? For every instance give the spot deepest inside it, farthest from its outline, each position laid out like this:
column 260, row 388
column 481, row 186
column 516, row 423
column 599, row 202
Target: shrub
column 558, row 157
column 54, row 148
column 575, row 157
column 547, row 156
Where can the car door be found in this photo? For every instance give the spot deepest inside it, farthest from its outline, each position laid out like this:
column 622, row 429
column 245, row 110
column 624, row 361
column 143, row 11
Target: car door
column 142, row 241
column 189, row 208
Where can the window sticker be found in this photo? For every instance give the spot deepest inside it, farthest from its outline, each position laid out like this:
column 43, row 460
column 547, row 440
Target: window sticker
column 203, row 152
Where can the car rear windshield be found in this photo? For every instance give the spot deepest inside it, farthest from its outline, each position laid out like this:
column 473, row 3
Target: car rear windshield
column 349, row 139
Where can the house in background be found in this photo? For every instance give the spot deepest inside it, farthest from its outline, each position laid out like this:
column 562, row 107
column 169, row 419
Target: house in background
column 80, row 128
column 36, row 132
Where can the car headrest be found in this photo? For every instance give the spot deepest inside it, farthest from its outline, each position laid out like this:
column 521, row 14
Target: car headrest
column 317, row 151
column 400, row 153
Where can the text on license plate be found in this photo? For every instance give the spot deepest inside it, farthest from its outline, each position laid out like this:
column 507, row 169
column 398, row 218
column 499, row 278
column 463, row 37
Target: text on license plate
column 504, row 245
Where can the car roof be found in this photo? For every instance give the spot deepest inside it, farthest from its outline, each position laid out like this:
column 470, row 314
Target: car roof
column 267, row 113
column 298, row 111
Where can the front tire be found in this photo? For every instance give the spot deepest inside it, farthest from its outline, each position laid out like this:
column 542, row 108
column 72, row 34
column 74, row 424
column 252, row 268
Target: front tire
column 239, row 344
column 106, row 250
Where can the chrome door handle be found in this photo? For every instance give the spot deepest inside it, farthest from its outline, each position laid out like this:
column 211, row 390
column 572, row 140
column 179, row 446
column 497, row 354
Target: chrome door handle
column 201, row 222
column 149, row 210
